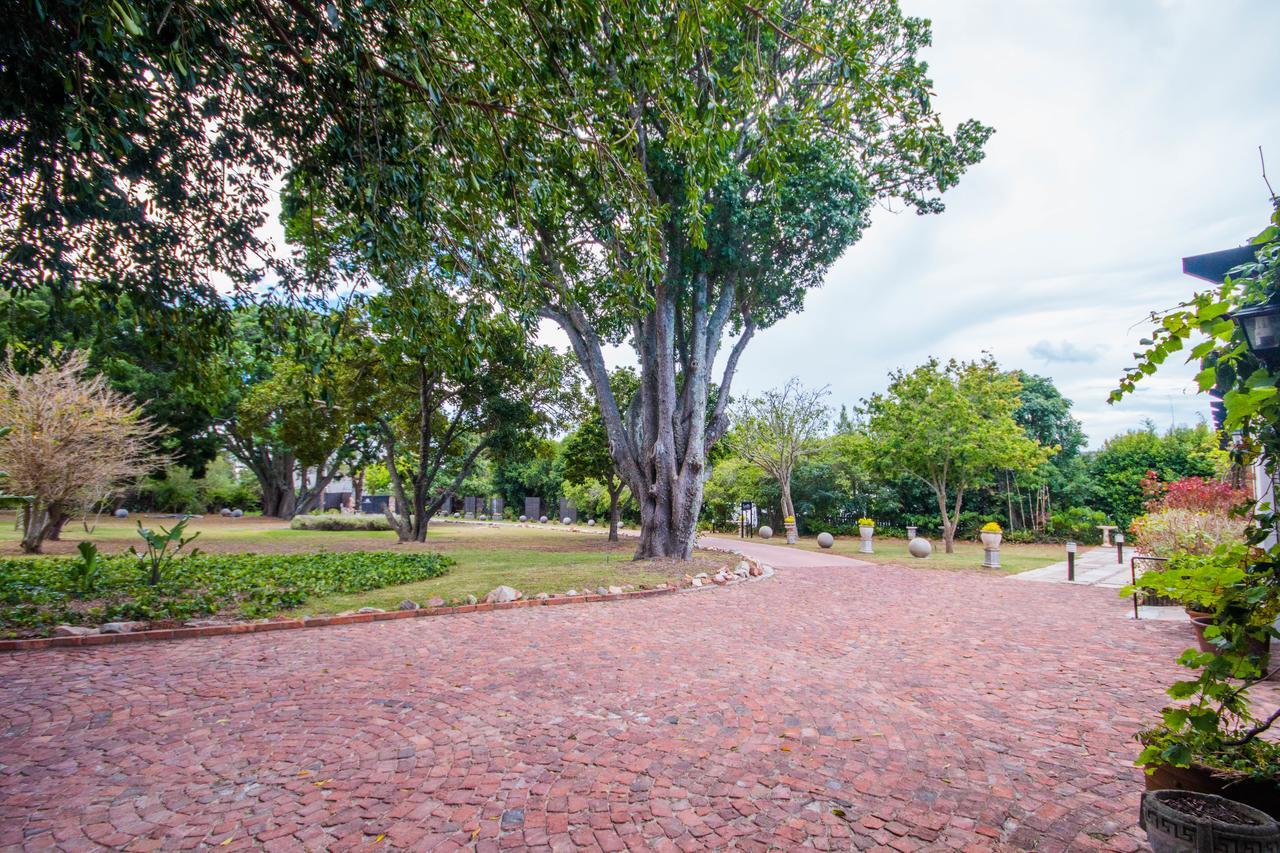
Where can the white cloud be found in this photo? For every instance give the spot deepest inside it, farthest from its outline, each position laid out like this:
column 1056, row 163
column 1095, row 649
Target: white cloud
column 1126, row 138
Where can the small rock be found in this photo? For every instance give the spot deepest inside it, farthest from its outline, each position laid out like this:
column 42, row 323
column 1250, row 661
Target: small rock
column 371, row 610
column 408, row 604
column 542, row 596
column 435, row 601
column 744, row 567
column 502, row 594
column 202, row 623
column 756, row 571
column 696, row 582
column 702, row 575
column 73, row 631
column 122, row 627
column 471, row 599
column 720, row 579
column 572, row 592
column 615, row 590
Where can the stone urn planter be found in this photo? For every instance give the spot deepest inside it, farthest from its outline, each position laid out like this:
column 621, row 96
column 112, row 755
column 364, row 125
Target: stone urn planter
column 1189, row 822
column 991, row 540
column 792, row 531
column 865, row 533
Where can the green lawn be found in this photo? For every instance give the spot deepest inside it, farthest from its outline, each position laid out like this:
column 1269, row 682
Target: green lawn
column 968, row 555
column 531, row 559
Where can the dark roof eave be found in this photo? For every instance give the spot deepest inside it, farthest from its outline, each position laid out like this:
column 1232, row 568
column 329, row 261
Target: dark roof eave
column 1214, row 266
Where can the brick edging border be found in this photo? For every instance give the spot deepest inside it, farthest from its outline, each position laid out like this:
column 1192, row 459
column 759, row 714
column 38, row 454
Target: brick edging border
column 33, row 643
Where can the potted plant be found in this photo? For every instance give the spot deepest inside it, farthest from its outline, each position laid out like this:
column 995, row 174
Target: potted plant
column 793, row 533
column 1210, row 741
column 1178, row 821
column 866, row 529
column 991, row 534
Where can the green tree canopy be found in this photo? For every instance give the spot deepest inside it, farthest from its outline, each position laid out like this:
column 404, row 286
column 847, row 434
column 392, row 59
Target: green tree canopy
column 951, row 426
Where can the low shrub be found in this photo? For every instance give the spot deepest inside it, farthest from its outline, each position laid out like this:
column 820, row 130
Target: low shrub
column 1077, row 524
column 340, row 522
column 39, row 593
column 1173, row 531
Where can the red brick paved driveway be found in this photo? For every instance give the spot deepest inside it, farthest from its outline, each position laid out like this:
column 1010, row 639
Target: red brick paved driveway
column 838, row 706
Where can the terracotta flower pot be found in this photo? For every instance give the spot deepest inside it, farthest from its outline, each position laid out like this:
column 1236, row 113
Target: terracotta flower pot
column 1260, row 794
column 1257, row 648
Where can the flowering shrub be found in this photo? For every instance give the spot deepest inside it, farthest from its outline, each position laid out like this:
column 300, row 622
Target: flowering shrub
column 1188, row 516
column 1198, row 494
column 991, row 527
column 1174, row 531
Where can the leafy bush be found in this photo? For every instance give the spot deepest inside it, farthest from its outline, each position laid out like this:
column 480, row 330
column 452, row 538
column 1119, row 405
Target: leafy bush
column 339, row 522
column 174, row 490
column 37, row 594
column 1078, row 524
column 1173, row 531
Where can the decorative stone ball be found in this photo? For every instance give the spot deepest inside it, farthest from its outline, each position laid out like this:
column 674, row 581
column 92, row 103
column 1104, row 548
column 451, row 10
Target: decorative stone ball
column 566, row 520
column 826, row 540
column 121, row 513
column 523, row 519
column 765, row 531
column 542, row 520
column 591, row 522
column 237, row 513
column 920, row 547
column 457, row 515
column 225, row 512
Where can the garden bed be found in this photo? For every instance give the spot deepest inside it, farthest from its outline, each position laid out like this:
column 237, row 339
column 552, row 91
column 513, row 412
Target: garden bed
column 39, row 594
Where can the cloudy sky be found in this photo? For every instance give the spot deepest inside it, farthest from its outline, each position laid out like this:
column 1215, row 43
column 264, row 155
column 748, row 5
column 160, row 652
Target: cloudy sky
column 1126, row 137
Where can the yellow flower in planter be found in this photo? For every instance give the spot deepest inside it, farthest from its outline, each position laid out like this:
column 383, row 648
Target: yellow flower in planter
column 991, row 527
column 790, row 519
column 866, row 522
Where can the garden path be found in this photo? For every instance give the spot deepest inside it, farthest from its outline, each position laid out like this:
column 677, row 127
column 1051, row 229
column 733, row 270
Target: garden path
column 836, row 704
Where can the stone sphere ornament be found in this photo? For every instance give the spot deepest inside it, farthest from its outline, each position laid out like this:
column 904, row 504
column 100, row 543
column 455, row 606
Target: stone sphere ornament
column 523, row 519
column 826, row 540
column 591, row 522
column 919, row 547
column 237, row 513
column 542, row 520
column 765, row 531
column 121, row 513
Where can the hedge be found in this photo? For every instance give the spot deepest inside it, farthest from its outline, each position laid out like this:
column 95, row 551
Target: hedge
column 340, row 522
column 36, row 594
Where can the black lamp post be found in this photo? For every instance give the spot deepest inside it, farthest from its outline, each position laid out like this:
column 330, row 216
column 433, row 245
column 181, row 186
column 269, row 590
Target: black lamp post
column 1261, row 327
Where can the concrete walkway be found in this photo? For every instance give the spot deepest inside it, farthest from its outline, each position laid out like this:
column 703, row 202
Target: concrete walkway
column 1095, row 567
column 838, row 705
column 1098, row 567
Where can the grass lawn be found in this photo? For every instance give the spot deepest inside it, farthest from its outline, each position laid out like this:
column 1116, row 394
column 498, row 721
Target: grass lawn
column 531, row 559
column 1013, row 558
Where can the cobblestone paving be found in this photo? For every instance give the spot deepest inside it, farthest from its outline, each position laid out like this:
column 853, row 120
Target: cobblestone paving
column 836, row 706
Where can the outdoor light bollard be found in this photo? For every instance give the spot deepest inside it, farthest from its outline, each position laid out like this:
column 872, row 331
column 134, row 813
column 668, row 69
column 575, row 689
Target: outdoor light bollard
column 1120, row 548
column 1071, row 561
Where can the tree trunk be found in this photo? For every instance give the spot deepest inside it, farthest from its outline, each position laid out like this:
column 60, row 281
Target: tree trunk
column 660, row 442
column 357, row 489
column 614, row 509
column 57, row 520
column 33, row 534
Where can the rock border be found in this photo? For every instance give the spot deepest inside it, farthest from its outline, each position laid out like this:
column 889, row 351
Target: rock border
column 191, row 632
